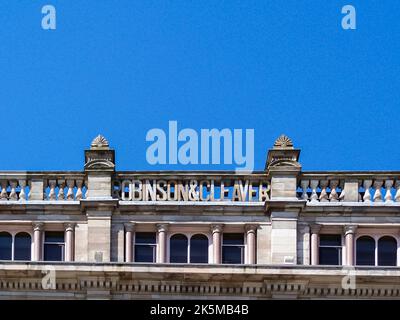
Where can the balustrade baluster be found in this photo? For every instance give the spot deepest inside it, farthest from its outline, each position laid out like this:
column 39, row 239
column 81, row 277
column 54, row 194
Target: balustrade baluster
column 61, row 186
column 304, row 185
column 79, row 189
column 13, row 192
column 314, row 186
column 323, row 197
column 367, row 194
column 3, row 193
column 397, row 196
column 388, row 193
column 52, row 193
column 70, row 193
column 22, row 194
column 378, row 194
column 334, row 197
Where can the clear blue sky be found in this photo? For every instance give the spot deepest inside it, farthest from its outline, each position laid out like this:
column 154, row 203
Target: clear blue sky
column 123, row 67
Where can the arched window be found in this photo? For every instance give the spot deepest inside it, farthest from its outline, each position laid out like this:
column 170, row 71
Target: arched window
column 22, row 246
column 365, row 251
column 5, row 246
column 178, row 245
column 387, row 251
column 199, row 249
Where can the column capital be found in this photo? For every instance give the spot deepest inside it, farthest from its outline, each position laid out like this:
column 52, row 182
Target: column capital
column 69, row 226
column 162, row 227
column 350, row 229
column 38, row 226
column 217, row 228
column 315, row 228
column 129, row 226
column 251, row 227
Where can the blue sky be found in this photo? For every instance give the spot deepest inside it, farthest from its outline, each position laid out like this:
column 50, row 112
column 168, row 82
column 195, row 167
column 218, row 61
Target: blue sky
column 122, row 68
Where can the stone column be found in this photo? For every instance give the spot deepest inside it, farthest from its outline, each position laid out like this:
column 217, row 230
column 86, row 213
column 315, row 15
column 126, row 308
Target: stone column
column 37, row 241
column 162, row 242
column 315, row 244
column 349, row 232
column 69, row 241
column 129, row 227
column 216, row 230
column 251, row 231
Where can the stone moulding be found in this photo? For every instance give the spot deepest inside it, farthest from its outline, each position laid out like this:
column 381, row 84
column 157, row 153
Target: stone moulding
column 75, row 280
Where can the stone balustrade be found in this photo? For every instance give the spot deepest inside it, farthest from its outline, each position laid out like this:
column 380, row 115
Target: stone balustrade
column 282, row 180
column 54, row 186
column 367, row 187
column 65, row 187
column 319, row 187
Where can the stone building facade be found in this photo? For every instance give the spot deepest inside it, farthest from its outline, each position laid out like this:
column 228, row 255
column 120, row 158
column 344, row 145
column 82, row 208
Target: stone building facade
column 277, row 233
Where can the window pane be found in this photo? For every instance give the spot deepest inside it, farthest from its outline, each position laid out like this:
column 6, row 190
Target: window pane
column 178, row 248
column 53, row 236
column 5, row 246
column 232, row 254
column 233, row 238
column 22, row 246
column 145, row 244
column 365, row 251
column 329, row 256
column 387, row 251
column 53, row 246
column 330, row 240
column 145, row 237
column 199, row 249
column 53, row 252
column 330, row 249
column 144, row 253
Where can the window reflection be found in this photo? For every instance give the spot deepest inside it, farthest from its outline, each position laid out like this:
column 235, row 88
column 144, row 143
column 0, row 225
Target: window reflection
column 233, row 248
column 387, row 251
column 179, row 249
column 22, row 246
column 365, row 251
column 5, row 246
column 145, row 247
column 199, row 249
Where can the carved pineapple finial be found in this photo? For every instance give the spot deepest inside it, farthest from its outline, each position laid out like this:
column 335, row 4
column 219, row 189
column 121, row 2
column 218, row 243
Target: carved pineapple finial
column 283, row 142
column 99, row 143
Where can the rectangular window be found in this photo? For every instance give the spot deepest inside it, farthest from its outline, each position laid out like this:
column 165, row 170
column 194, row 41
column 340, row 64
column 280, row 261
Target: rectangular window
column 330, row 249
column 145, row 247
column 54, row 246
column 233, row 248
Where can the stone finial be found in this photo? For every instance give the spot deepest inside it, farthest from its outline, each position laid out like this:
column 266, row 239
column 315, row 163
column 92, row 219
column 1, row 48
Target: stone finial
column 283, row 156
column 283, row 142
column 99, row 143
column 99, row 157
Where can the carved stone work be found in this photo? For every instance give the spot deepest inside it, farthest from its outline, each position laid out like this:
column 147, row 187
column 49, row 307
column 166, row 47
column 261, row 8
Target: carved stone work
column 99, row 143
column 100, row 156
column 283, row 154
column 283, row 142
